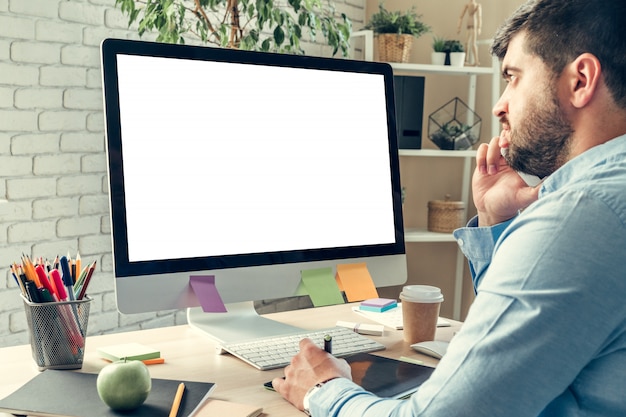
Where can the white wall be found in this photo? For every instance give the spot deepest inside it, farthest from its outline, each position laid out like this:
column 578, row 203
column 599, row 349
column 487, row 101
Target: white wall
column 52, row 161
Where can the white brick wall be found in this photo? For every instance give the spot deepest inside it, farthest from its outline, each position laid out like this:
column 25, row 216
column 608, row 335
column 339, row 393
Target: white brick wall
column 52, row 160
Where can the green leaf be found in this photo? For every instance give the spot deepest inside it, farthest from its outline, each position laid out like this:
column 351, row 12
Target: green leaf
column 265, row 45
column 279, row 35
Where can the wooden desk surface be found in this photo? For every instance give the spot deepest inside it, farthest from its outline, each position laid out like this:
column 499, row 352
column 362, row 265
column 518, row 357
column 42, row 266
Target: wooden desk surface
column 191, row 356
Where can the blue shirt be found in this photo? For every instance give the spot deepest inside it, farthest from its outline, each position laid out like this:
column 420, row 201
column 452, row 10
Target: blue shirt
column 546, row 334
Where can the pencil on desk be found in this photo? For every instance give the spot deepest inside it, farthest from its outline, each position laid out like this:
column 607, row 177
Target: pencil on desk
column 177, row 398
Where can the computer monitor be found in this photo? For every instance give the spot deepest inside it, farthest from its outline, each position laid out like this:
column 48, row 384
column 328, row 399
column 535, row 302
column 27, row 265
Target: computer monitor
column 249, row 167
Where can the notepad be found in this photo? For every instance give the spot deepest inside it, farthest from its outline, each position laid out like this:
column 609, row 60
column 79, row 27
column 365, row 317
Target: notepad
column 392, row 318
column 130, row 351
column 47, row 395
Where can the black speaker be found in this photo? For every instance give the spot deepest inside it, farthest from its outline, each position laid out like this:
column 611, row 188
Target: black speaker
column 409, row 92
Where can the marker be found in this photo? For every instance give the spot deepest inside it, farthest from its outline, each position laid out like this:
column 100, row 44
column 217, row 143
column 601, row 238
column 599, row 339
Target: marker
column 45, row 283
column 328, row 344
column 58, row 282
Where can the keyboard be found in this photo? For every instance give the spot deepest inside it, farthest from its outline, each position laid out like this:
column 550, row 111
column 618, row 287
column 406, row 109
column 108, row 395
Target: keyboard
column 276, row 352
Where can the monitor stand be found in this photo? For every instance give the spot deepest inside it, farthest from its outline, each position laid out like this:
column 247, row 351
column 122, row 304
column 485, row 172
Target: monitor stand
column 240, row 323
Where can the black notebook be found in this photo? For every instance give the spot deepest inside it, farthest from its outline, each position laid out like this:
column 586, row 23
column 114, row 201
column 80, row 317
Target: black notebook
column 387, row 378
column 66, row 393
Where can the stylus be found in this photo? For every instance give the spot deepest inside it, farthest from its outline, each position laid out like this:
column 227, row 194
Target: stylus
column 328, row 344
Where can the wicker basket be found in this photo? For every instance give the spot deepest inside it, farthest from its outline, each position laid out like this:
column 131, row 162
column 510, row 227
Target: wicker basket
column 394, row 48
column 445, row 216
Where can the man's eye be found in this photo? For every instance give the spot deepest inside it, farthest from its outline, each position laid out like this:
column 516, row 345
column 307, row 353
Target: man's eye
column 509, row 78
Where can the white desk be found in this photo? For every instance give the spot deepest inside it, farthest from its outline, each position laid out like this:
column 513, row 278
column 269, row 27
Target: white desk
column 191, row 356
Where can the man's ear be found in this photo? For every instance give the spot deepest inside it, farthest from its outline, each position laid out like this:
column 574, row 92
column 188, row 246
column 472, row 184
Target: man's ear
column 584, row 74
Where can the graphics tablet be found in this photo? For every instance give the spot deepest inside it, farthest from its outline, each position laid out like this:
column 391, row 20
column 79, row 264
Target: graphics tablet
column 387, row 378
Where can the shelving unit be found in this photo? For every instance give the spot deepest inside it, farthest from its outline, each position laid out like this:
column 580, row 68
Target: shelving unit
column 422, row 235
column 413, row 235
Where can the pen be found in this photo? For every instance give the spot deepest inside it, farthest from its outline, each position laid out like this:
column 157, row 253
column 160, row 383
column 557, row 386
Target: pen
column 177, row 398
column 67, row 278
column 328, row 344
column 31, row 291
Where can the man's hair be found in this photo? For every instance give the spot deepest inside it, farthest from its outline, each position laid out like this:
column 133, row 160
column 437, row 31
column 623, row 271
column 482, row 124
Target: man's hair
column 558, row 31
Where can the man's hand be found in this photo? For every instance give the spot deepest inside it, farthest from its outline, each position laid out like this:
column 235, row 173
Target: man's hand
column 309, row 367
column 499, row 191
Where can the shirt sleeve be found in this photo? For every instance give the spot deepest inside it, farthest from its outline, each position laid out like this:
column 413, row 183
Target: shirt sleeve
column 520, row 351
column 477, row 244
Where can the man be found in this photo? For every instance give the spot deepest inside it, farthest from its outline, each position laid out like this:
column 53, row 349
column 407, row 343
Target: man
column 546, row 334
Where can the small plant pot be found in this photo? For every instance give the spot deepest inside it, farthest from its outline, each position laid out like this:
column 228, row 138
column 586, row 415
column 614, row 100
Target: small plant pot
column 457, row 59
column 438, row 58
column 394, row 48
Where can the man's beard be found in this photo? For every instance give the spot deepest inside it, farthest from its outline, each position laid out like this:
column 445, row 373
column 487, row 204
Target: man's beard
column 540, row 144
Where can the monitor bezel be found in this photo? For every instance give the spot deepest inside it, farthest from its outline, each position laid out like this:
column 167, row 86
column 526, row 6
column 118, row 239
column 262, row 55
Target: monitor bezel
column 123, row 267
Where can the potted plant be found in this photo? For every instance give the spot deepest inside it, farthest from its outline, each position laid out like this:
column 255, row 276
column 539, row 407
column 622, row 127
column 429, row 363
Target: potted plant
column 438, row 56
column 395, row 32
column 457, row 53
column 263, row 25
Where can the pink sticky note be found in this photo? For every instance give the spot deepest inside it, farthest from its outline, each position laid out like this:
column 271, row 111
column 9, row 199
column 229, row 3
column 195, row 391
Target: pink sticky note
column 204, row 288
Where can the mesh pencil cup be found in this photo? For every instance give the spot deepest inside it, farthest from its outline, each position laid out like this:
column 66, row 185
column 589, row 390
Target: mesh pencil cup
column 58, row 332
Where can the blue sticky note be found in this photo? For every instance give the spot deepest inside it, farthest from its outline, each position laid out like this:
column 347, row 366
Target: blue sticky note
column 206, row 291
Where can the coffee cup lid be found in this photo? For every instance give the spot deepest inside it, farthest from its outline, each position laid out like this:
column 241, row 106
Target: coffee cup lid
column 421, row 294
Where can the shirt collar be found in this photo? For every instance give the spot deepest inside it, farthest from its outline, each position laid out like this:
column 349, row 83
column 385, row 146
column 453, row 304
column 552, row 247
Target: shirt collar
column 614, row 149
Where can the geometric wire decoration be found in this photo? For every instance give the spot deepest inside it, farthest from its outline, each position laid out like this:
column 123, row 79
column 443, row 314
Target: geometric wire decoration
column 454, row 126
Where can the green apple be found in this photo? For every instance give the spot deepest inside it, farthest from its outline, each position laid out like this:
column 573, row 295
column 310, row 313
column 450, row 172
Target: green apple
column 124, row 385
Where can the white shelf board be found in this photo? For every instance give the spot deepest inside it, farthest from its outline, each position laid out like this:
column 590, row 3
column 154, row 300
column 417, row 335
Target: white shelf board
column 437, row 152
column 402, row 68
column 423, row 235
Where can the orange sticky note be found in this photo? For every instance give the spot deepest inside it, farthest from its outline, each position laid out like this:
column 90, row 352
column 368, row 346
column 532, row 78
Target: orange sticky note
column 356, row 281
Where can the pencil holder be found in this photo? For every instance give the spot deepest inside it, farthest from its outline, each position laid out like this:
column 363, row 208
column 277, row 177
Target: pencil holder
column 58, row 332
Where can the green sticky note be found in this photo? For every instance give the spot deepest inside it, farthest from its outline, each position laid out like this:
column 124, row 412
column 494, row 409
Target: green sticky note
column 321, row 286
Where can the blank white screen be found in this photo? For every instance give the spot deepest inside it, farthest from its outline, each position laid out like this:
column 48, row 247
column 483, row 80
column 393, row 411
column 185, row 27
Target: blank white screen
column 223, row 158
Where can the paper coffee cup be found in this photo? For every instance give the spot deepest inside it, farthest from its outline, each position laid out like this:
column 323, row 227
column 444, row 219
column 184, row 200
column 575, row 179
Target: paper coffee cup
column 420, row 311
